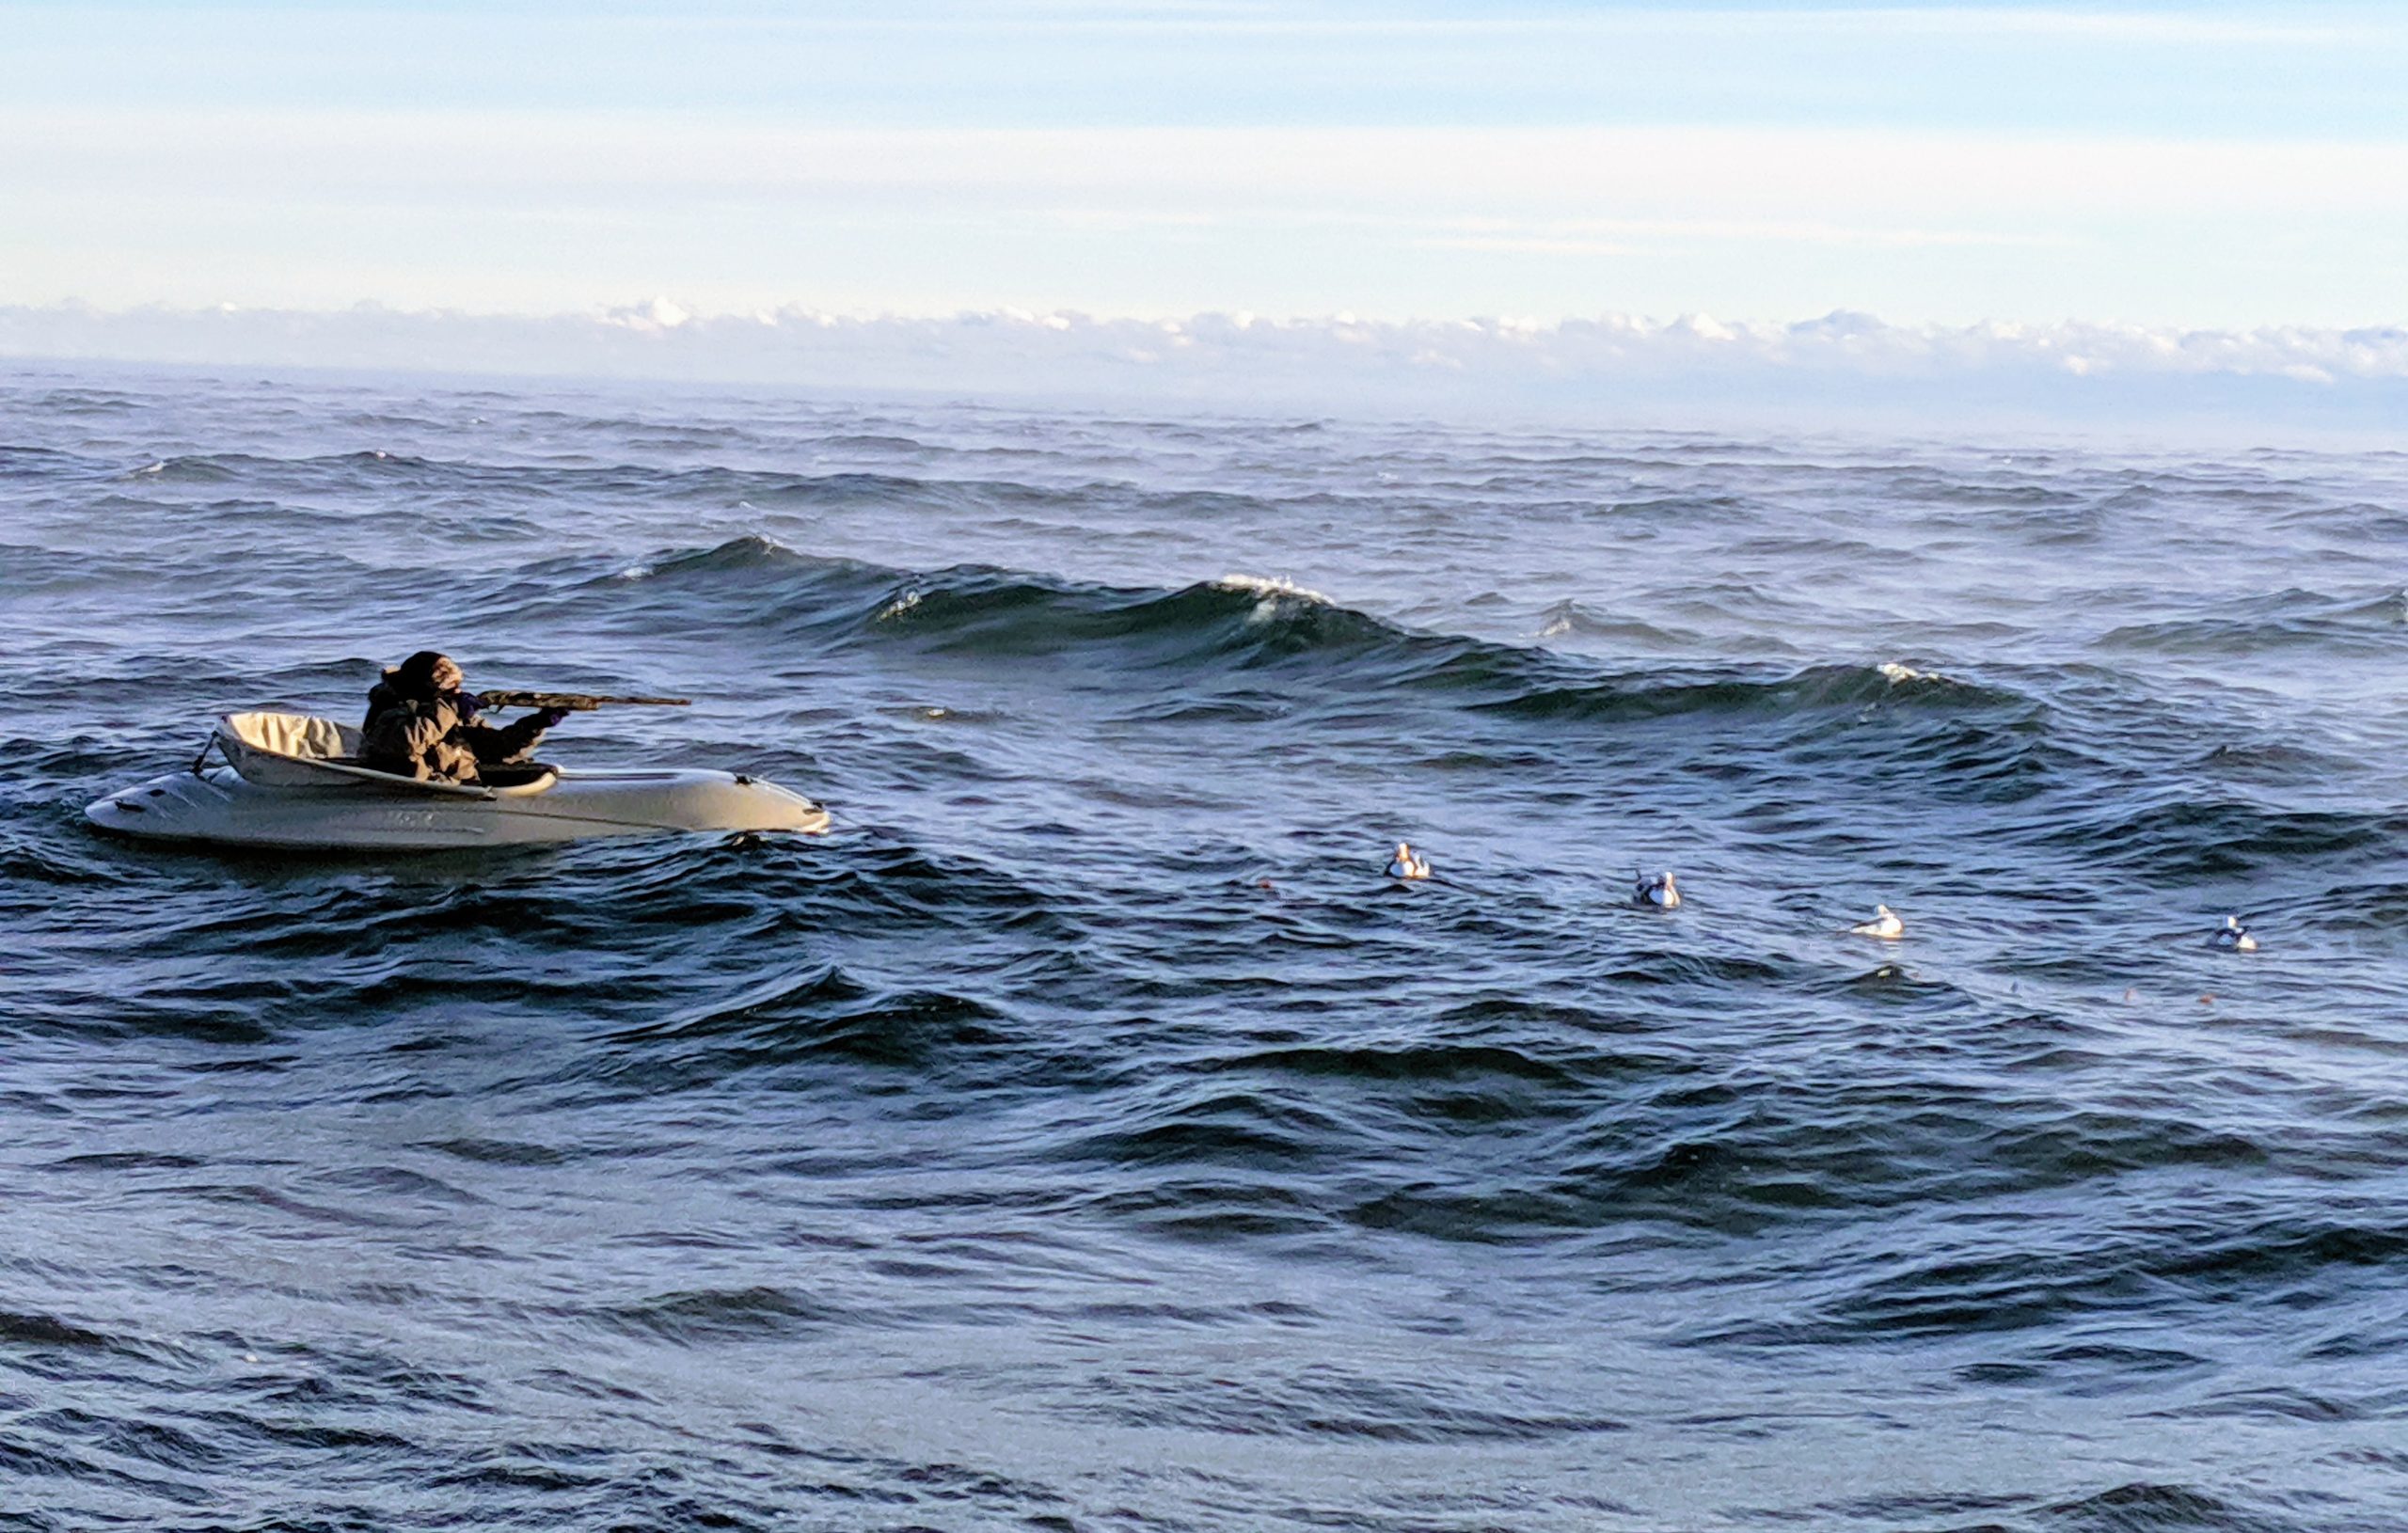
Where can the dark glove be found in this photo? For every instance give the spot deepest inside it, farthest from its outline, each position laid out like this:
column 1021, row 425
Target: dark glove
column 552, row 717
column 468, row 706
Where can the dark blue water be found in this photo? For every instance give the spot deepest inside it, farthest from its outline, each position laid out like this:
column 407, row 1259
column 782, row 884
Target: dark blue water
column 1086, row 1134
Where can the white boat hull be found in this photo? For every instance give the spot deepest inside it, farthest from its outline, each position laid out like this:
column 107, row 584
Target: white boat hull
column 220, row 807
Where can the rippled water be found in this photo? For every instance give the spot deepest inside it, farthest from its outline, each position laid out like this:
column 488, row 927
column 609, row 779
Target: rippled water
column 1086, row 1134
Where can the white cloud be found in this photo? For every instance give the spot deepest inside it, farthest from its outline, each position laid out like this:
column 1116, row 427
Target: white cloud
column 658, row 316
column 1830, row 366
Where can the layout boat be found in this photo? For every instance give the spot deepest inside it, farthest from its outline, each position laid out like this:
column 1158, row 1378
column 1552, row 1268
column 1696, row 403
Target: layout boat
column 291, row 781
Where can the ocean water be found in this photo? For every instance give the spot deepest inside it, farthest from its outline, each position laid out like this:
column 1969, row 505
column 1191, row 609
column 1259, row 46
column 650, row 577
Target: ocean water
column 1086, row 1134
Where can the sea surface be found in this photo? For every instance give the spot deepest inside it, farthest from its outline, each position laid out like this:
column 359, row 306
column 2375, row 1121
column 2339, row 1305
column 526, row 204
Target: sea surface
column 1086, row 1134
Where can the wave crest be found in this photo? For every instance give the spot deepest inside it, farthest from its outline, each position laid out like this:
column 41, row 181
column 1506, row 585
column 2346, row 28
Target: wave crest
column 1321, row 650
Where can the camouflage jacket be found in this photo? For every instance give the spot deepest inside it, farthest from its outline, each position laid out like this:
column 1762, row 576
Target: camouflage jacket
column 429, row 739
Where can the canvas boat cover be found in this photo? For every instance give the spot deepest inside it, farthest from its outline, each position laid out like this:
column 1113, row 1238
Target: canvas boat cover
column 300, row 751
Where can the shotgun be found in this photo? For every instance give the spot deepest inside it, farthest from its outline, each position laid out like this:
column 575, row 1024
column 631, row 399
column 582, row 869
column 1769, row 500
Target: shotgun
column 573, row 702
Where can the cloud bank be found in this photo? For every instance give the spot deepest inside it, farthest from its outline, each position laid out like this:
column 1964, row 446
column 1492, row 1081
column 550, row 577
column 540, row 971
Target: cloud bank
column 1838, row 367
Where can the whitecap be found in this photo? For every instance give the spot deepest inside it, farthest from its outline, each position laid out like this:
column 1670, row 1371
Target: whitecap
column 1269, row 591
column 896, row 607
column 1272, row 586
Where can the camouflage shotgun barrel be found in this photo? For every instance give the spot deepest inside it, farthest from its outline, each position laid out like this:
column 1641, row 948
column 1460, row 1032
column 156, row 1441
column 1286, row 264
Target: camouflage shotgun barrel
column 574, row 702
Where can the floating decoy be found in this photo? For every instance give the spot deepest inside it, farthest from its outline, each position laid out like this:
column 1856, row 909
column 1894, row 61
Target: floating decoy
column 1658, row 892
column 1884, row 925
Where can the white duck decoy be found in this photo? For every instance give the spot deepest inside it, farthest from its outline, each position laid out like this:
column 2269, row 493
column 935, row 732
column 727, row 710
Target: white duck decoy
column 2232, row 937
column 1659, row 891
column 1884, row 925
column 1408, row 863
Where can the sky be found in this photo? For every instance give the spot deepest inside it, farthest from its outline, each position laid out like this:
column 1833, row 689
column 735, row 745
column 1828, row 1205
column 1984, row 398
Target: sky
column 2179, row 167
